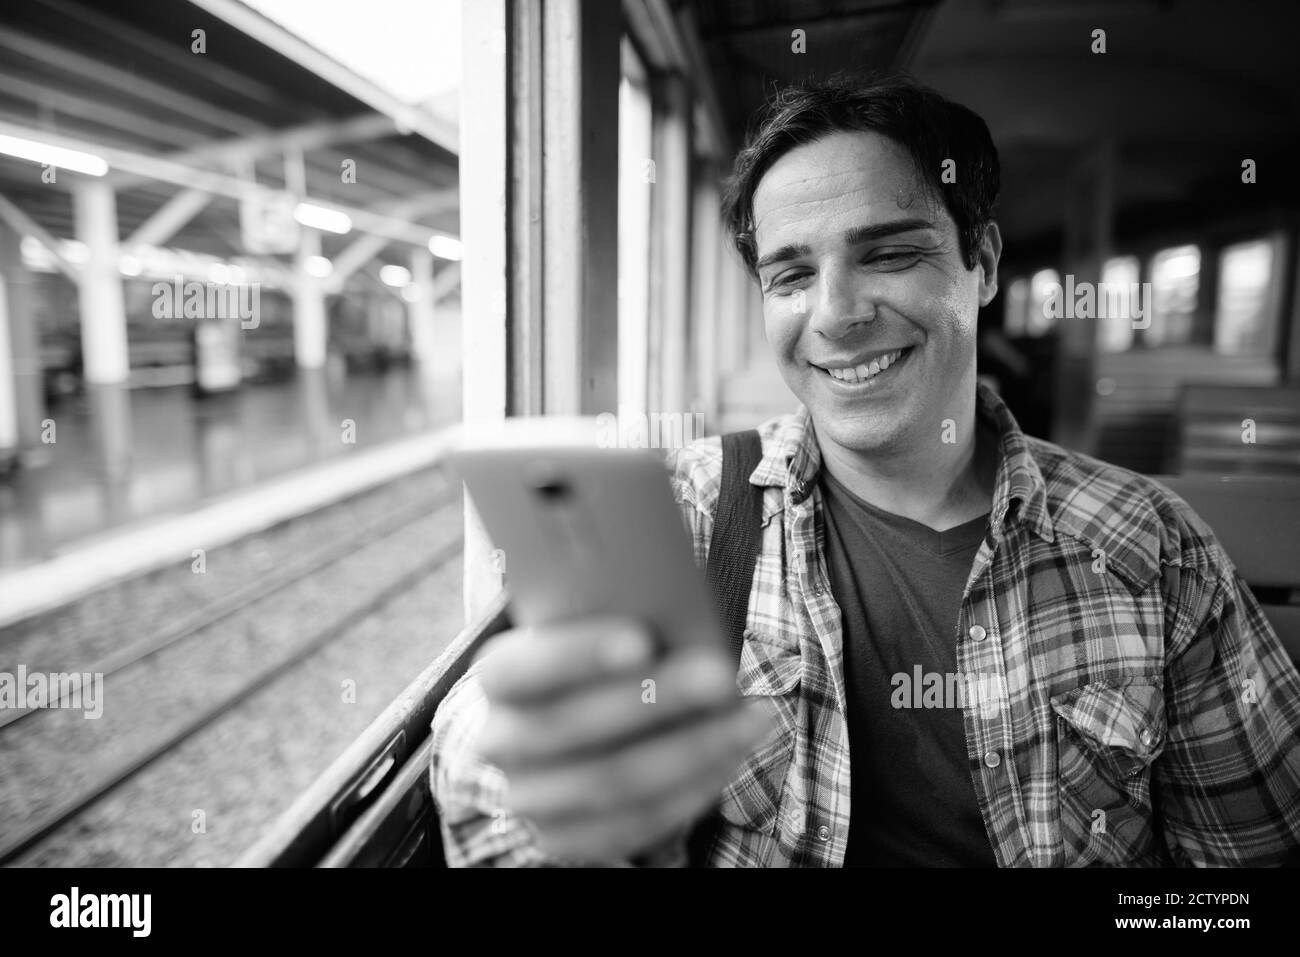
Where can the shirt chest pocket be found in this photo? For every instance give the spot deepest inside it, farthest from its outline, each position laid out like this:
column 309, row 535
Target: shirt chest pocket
column 1108, row 734
column 751, row 803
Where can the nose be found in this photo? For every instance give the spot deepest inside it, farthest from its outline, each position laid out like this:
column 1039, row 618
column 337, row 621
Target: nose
column 842, row 302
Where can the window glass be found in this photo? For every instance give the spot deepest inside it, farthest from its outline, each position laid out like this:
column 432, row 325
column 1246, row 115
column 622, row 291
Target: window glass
column 1175, row 280
column 1014, row 318
column 1245, row 316
column 1044, row 284
column 1116, row 303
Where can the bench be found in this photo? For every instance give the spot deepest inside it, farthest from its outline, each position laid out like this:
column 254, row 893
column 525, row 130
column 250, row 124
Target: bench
column 373, row 806
column 1257, row 521
column 1210, row 432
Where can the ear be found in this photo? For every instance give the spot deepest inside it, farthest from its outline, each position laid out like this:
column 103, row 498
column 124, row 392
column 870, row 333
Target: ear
column 987, row 264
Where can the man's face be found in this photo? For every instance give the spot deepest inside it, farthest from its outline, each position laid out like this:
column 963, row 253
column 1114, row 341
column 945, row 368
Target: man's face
column 861, row 270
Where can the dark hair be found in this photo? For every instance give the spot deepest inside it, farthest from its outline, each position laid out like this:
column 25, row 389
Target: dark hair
column 928, row 126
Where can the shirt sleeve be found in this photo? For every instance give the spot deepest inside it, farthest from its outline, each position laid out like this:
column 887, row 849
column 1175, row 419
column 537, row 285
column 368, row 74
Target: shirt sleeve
column 477, row 830
column 1227, row 784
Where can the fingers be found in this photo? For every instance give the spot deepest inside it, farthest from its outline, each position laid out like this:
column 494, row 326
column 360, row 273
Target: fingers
column 646, row 776
column 530, row 664
column 600, row 716
column 608, row 746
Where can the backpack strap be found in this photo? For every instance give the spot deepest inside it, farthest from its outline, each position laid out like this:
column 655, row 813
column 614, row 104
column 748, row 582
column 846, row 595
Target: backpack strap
column 733, row 553
column 737, row 532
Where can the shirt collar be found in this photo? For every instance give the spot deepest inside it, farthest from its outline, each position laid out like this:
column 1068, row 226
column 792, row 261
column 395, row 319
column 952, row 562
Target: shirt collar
column 793, row 462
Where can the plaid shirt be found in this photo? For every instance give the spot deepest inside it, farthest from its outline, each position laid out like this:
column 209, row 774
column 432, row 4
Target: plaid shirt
column 1148, row 715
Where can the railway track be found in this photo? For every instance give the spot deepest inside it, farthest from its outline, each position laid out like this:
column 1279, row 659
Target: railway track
column 241, row 598
column 203, row 620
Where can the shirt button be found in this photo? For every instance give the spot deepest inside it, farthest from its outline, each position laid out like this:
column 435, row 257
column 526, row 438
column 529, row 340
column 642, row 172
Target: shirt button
column 1147, row 737
column 823, row 833
column 992, row 759
column 977, row 632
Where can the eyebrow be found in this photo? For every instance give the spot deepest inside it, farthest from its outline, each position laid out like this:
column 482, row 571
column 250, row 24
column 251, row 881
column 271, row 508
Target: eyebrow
column 853, row 237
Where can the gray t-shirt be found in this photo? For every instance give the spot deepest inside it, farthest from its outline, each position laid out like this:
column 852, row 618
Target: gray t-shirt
column 899, row 586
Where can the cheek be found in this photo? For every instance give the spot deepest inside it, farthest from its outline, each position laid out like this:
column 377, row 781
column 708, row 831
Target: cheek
column 944, row 311
column 782, row 325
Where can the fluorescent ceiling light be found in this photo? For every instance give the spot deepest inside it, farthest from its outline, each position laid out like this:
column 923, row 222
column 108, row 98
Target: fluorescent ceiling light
column 55, row 156
column 446, row 247
column 318, row 217
column 318, row 266
column 397, row 276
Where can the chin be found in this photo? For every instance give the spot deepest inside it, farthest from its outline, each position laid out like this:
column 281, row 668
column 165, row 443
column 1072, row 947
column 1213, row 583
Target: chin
column 859, row 433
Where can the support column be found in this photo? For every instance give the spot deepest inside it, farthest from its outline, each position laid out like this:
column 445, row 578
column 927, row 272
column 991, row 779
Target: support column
column 103, row 312
column 420, row 310
column 483, row 175
column 22, row 395
column 1088, row 219
column 8, row 393
column 310, row 329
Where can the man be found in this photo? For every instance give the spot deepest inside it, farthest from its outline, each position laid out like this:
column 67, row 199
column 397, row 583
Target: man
column 964, row 646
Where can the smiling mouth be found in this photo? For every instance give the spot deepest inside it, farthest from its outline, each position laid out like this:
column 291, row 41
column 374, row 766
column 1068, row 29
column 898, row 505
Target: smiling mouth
column 871, row 370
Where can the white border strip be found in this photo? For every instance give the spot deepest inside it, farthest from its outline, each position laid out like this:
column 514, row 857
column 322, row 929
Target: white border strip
column 143, row 547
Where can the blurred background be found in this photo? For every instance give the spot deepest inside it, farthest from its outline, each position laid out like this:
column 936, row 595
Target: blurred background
column 256, row 258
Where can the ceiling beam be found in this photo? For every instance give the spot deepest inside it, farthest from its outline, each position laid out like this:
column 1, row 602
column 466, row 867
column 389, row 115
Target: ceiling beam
column 355, row 255
column 99, row 73
column 308, row 136
column 244, row 83
column 24, row 224
column 133, row 123
column 271, row 34
column 365, row 248
column 219, row 183
column 170, row 217
column 369, row 269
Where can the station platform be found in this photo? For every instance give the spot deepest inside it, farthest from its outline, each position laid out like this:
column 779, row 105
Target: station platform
column 136, row 478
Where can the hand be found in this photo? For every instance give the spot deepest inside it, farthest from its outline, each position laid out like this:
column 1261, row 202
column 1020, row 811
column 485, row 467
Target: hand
column 608, row 749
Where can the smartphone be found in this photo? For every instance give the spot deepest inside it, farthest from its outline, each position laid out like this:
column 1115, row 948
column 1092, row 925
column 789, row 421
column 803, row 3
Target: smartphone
column 585, row 530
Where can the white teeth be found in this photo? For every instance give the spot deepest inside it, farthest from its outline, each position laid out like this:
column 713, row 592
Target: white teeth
column 875, row 367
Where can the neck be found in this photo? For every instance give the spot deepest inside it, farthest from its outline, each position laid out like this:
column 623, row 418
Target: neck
column 938, row 483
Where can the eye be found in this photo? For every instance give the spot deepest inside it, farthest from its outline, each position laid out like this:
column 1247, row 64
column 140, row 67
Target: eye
column 788, row 279
column 893, row 258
